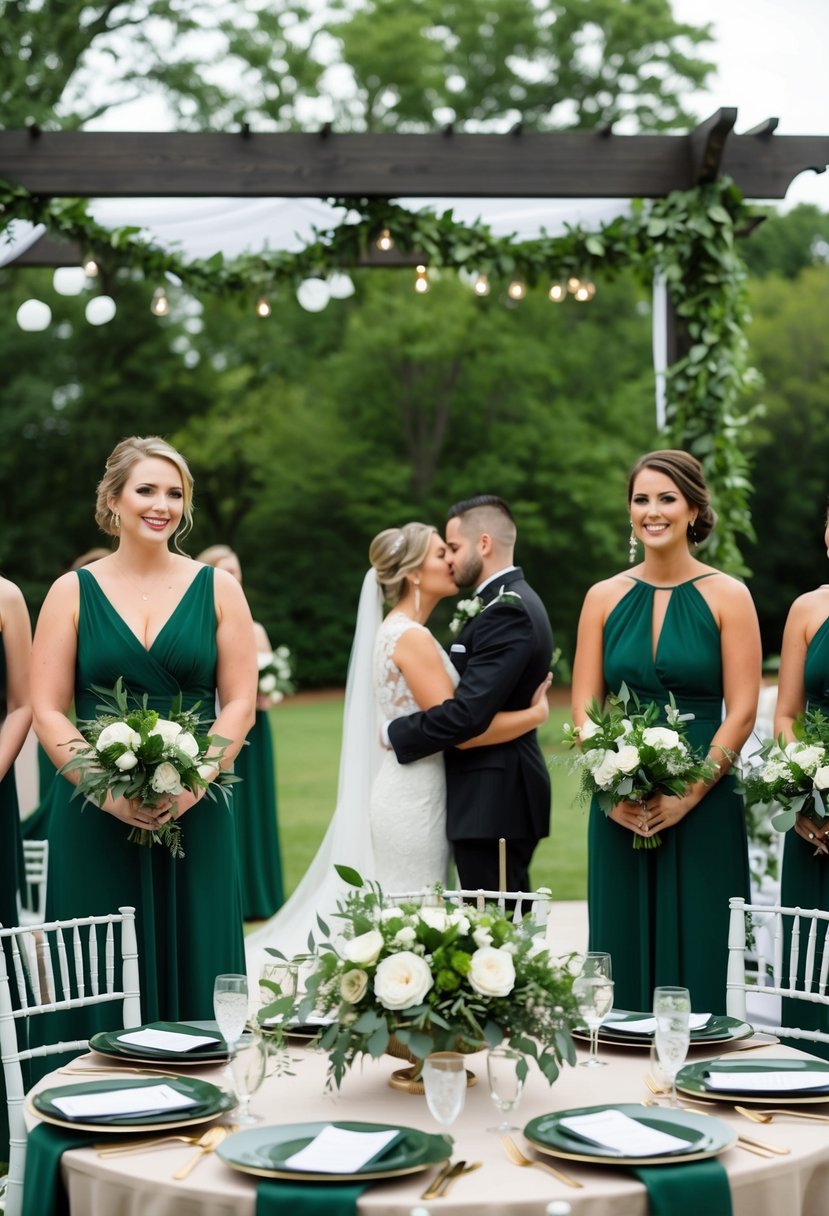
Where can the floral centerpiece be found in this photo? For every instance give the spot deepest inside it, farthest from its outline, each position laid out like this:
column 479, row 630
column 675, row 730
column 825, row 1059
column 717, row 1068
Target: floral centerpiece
column 794, row 776
column 275, row 674
column 136, row 753
column 626, row 754
column 434, row 978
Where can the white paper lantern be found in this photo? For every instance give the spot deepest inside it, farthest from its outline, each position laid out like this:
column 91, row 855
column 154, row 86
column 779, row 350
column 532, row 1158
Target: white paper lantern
column 69, row 280
column 100, row 310
column 340, row 286
column 313, row 294
column 33, row 316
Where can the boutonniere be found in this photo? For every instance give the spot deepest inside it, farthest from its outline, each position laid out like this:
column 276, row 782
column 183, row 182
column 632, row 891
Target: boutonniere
column 467, row 610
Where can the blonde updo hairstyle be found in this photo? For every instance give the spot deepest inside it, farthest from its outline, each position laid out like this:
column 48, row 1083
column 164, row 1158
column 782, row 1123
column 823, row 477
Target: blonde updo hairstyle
column 396, row 553
column 124, row 456
column 685, row 471
column 213, row 554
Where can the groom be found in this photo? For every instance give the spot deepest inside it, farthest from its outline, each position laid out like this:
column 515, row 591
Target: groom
column 502, row 653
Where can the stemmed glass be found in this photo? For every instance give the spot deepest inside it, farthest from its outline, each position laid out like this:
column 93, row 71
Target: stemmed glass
column 593, row 994
column 248, row 1069
column 672, row 1010
column 230, row 1008
column 444, row 1082
column 506, row 1082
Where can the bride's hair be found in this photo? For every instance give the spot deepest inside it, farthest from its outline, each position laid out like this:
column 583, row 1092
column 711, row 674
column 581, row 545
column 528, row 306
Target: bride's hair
column 118, row 467
column 685, row 471
column 396, row 552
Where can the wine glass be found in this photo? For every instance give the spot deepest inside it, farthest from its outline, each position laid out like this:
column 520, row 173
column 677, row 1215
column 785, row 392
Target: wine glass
column 672, row 1010
column 248, row 1068
column 506, row 1081
column 230, row 1008
column 444, row 1082
column 284, row 975
column 593, row 994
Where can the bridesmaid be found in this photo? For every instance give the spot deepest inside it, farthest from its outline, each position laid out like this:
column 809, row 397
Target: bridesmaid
column 671, row 624
column 804, row 684
column 167, row 625
column 254, row 799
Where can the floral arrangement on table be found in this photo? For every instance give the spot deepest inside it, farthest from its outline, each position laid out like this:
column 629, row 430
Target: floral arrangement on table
column 626, row 753
column 136, row 753
column 434, row 978
column 275, row 674
column 794, row 776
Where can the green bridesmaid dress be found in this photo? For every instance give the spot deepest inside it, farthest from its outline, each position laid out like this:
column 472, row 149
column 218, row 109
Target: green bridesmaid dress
column 188, row 911
column 257, row 838
column 805, row 878
column 663, row 913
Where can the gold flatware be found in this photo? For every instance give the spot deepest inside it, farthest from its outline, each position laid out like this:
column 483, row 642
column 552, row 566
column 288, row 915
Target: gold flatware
column 211, row 1140
column 751, row 1148
column 141, row 1146
column 454, row 1175
column 517, row 1158
column 434, row 1186
column 95, row 1070
column 763, row 1144
column 768, row 1116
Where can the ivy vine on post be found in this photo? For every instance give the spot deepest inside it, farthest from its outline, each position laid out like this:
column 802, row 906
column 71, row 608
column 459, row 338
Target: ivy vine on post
column 689, row 236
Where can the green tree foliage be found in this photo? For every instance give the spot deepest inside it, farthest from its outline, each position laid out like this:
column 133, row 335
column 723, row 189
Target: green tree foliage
column 786, row 244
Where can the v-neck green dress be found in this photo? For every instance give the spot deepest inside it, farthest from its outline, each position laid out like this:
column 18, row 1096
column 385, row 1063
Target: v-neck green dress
column 663, row 913
column 188, row 911
column 805, row 878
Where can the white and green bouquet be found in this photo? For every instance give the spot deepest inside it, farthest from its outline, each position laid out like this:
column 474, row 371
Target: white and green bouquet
column 792, row 776
column 438, row 977
column 275, row 674
column 131, row 750
column 625, row 753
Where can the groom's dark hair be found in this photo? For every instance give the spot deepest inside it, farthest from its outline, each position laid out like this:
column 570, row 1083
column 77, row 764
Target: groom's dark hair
column 480, row 500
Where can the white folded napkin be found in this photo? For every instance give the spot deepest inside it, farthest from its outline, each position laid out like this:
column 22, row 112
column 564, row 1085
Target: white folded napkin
column 648, row 1025
column 167, row 1040
column 763, row 1082
column 138, row 1101
column 628, row 1137
column 338, row 1151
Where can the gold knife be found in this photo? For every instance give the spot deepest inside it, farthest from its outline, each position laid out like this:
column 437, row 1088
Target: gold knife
column 455, row 1174
column 433, row 1188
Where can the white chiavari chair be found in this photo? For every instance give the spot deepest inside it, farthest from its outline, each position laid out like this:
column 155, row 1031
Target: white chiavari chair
column 35, row 873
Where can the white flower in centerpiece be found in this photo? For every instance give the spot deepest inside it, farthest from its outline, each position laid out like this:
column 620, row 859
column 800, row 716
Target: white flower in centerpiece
column 821, row 777
column 353, row 985
column 126, row 761
column 806, row 756
column 186, row 743
column 405, row 936
column 364, row 949
column 166, row 779
column 482, row 936
column 460, row 921
column 435, row 918
column 627, row 760
column 402, row 980
column 660, row 736
column 492, row 972
column 169, row 731
column 118, row 732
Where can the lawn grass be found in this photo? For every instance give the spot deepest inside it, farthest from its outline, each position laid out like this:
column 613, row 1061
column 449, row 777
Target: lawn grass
column 307, row 743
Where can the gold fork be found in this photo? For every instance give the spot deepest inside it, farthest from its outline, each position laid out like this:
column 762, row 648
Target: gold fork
column 767, row 1116
column 141, row 1146
column 663, row 1093
column 211, row 1140
column 767, row 1150
column 517, row 1158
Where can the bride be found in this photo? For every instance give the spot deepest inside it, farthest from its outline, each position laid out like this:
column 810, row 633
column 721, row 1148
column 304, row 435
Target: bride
column 389, row 821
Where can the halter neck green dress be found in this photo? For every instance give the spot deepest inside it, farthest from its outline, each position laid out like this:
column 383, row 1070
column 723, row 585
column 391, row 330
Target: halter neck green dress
column 663, row 913
column 805, row 878
column 257, row 838
column 188, row 911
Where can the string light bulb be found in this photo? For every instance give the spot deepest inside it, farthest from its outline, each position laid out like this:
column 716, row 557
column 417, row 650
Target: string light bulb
column 421, row 284
column 573, row 284
column 90, row 267
column 557, row 292
column 481, row 286
column 385, row 241
column 263, row 307
column 582, row 293
column 590, row 288
column 517, row 290
column 160, row 304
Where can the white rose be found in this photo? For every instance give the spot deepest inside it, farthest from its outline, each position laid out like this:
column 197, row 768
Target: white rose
column 588, row 730
column 166, row 779
column 169, row 731
column 353, row 985
column 187, row 743
column 364, row 949
column 405, row 936
column 537, row 946
column 492, row 972
column 627, row 760
column 264, row 658
column 267, row 683
column 821, row 777
column 118, row 732
column 436, row 918
column 805, row 756
column 460, row 921
column 774, row 770
column 402, row 980
column 481, row 936
column 207, row 771
column 660, row 736
column 126, row 761
column 606, row 773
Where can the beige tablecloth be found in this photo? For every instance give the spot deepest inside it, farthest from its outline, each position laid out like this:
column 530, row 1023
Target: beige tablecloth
column 142, row 1185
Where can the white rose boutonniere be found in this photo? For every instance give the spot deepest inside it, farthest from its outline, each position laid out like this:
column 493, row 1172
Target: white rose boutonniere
column 466, row 611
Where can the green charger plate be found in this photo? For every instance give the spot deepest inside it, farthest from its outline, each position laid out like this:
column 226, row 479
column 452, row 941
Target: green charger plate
column 210, row 1102
column 264, row 1151
column 718, row 1029
column 704, row 1136
column 109, row 1043
column 691, row 1080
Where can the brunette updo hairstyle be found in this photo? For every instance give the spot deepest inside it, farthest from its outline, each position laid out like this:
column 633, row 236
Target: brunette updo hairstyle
column 118, row 467
column 396, row 553
column 685, row 471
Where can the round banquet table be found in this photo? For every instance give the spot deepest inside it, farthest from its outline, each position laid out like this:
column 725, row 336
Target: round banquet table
column 142, row 1184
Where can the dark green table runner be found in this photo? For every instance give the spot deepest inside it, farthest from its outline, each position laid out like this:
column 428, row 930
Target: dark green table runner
column 686, row 1190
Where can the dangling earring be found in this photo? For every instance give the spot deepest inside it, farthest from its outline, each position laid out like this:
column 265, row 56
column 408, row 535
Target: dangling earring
column 116, row 519
column 417, row 596
column 692, row 531
column 632, row 545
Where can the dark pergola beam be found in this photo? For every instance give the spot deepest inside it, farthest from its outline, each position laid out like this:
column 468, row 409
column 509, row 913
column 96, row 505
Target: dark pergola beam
column 567, row 164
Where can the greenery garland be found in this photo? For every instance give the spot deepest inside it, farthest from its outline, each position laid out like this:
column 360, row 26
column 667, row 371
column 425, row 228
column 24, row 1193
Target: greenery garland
column 689, row 236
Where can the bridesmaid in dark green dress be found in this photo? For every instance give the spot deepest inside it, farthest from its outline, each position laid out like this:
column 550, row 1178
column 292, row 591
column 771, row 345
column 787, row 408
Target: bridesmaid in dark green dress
column 254, row 799
column 671, row 624
column 165, row 624
column 804, row 684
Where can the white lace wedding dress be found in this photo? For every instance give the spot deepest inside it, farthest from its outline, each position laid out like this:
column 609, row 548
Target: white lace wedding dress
column 407, row 810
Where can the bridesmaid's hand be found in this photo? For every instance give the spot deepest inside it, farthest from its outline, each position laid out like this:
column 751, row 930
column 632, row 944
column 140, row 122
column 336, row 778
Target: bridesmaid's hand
column 812, row 833
column 633, row 816
column 539, row 700
column 664, row 811
column 183, row 802
column 131, row 812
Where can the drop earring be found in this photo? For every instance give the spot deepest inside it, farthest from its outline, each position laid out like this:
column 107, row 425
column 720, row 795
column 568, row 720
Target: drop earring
column 632, row 545
column 116, row 519
column 417, row 596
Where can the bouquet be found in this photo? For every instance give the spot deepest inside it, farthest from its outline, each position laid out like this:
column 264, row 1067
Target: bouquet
column 436, row 977
column 141, row 755
column 275, row 674
column 625, row 755
column 793, row 775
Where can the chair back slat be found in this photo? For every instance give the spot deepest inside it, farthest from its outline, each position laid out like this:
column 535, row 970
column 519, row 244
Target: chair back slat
column 77, row 954
column 777, row 969
column 794, row 951
column 824, row 962
column 110, row 959
column 93, row 959
column 809, row 971
column 19, row 969
column 63, row 966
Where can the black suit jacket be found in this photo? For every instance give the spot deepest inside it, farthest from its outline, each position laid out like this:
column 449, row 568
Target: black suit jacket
column 502, row 656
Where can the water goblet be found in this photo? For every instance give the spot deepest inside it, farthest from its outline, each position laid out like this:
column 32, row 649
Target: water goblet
column 444, row 1083
column 505, row 1069
column 248, row 1068
column 593, row 994
column 230, row 1008
column 672, row 1010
